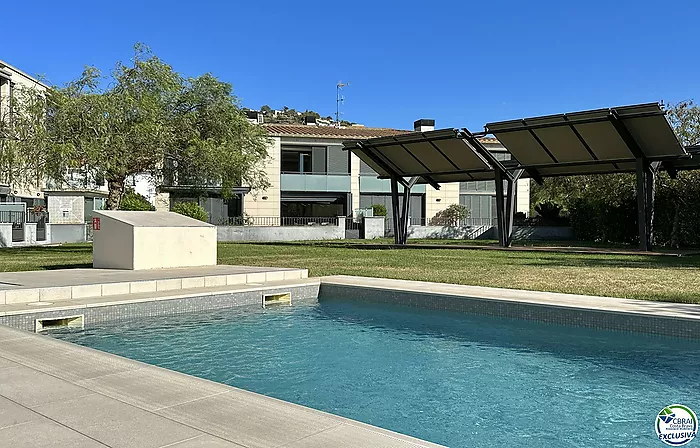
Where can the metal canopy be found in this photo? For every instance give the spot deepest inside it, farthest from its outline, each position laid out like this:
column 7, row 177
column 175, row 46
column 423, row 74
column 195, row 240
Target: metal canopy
column 589, row 142
column 634, row 138
column 434, row 157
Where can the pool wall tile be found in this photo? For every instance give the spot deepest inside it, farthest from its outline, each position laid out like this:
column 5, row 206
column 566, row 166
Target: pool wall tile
column 597, row 319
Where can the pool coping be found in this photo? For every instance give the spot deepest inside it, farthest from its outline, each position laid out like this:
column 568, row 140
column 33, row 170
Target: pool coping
column 69, row 395
column 71, row 284
column 550, row 299
column 144, row 297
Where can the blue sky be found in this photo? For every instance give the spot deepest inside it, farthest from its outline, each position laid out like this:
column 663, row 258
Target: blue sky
column 463, row 63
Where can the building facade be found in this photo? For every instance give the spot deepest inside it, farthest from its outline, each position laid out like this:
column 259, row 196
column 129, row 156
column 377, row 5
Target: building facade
column 12, row 80
column 312, row 176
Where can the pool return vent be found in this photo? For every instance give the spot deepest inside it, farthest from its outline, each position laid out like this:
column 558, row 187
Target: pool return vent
column 53, row 323
column 283, row 298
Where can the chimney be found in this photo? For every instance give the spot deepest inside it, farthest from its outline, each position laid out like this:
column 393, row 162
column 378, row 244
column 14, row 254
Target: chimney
column 423, row 125
column 309, row 120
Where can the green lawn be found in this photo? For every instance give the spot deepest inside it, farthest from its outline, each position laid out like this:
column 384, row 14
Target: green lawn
column 667, row 278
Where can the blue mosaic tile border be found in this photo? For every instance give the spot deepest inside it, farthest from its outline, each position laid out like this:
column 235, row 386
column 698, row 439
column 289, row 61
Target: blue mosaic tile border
column 603, row 320
column 131, row 311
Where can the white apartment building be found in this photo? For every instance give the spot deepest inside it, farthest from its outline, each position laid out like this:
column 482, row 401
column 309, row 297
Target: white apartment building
column 12, row 79
column 312, row 176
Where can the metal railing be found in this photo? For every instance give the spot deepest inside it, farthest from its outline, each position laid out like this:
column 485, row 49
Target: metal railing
column 17, row 219
column 277, row 221
column 468, row 222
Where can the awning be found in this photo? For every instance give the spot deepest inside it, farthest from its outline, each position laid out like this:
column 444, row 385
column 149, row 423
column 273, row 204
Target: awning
column 433, row 157
column 589, row 142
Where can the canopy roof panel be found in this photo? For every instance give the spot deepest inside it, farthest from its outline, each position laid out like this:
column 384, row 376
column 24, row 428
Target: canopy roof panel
column 594, row 141
column 445, row 155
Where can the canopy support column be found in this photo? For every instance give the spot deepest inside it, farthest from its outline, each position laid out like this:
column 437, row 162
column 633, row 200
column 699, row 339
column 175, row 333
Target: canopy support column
column 405, row 214
column 645, row 203
column 395, row 209
column 500, row 209
column 510, row 211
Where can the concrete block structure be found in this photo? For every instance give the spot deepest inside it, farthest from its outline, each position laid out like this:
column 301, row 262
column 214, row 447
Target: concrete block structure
column 151, row 240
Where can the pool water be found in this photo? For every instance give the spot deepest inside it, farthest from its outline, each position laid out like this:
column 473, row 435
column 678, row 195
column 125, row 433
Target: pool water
column 450, row 378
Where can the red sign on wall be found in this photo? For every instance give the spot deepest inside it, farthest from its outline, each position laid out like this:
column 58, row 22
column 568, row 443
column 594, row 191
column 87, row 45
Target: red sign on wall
column 95, row 223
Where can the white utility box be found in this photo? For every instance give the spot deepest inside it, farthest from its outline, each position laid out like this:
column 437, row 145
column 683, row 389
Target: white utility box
column 150, row 240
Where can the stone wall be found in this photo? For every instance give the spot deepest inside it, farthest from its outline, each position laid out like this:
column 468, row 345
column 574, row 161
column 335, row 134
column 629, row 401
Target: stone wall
column 374, row 227
column 282, row 233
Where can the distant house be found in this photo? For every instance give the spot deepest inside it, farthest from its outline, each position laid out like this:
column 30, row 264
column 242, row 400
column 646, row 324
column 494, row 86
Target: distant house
column 312, row 176
column 12, row 79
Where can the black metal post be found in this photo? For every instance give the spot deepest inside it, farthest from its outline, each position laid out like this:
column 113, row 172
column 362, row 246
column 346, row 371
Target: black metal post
column 395, row 208
column 510, row 211
column 500, row 208
column 649, row 198
column 642, row 198
column 405, row 217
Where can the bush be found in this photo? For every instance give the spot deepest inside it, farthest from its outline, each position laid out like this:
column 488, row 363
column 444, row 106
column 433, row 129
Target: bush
column 191, row 209
column 133, row 201
column 379, row 210
column 451, row 216
column 549, row 210
column 600, row 220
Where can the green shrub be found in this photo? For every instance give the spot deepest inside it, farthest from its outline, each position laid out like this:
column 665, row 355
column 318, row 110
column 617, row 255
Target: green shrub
column 548, row 210
column 451, row 216
column 379, row 210
column 133, row 201
column 191, row 209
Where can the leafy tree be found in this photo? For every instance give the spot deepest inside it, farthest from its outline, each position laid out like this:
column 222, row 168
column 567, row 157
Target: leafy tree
column 145, row 118
column 191, row 209
column 135, row 202
column 378, row 210
column 450, row 216
column 24, row 160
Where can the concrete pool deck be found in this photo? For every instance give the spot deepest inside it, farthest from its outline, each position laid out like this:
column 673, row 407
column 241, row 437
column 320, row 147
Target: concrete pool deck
column 72, row 284
column 57, row 394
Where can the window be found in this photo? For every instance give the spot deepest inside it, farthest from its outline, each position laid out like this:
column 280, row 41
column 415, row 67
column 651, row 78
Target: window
column 296, row 161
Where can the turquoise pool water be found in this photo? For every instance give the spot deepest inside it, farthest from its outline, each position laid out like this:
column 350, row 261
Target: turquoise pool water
column 450, row 378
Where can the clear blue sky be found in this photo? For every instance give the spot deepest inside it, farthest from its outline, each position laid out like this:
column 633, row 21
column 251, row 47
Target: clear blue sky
column 463, row 63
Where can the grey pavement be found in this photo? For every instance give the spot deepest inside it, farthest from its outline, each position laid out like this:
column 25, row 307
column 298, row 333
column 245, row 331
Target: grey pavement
column 56, row 394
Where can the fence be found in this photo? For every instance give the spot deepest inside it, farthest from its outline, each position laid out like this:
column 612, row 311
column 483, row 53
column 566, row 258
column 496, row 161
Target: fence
column 478, row 223
column 19, row 219
column 284, row 229
column 280, row 221
column 40, row 219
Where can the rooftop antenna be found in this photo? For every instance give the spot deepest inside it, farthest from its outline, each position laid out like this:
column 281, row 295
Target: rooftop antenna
column 339, row 99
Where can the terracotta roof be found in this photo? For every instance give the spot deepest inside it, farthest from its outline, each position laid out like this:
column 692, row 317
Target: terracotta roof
column 489, row 140
column 358, row 133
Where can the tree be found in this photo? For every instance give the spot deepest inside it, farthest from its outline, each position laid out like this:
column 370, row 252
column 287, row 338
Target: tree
column 149, row 119
column 24, row 161
column 191, row 209
column 452, row 216
column 135, row 202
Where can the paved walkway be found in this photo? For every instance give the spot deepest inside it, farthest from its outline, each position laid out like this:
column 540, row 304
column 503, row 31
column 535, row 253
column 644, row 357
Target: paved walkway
column 91, row 276
column 56, row 394
column 42, row 287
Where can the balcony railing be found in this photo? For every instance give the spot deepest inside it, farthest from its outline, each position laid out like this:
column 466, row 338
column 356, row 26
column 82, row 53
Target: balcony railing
column 277, row 221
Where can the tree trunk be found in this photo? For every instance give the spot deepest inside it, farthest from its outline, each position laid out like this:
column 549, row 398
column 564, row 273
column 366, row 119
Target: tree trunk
column 116, row 190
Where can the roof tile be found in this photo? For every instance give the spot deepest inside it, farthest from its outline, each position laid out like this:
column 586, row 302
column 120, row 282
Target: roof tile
column 353, row 133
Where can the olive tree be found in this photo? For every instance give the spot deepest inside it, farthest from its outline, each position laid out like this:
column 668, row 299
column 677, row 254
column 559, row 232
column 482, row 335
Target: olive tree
column 147, row 118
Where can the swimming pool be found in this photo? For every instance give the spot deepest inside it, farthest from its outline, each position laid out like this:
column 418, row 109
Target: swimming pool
column 451, row 378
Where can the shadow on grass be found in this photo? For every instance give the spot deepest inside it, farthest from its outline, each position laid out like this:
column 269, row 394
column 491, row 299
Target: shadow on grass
column 54, row 267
